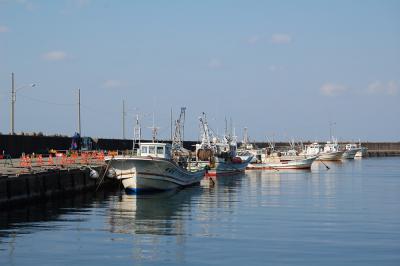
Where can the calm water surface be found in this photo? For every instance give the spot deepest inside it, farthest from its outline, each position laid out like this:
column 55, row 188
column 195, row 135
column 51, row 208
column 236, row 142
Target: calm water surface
column 348, row 215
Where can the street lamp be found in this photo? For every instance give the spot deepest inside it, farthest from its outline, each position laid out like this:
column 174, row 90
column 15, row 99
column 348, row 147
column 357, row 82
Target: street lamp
column 14, row 98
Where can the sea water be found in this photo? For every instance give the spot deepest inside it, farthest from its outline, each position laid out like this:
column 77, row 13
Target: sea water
column 347, row 215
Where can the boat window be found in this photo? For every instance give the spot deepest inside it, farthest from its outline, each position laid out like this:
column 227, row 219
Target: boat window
column 144, row 149
column 152, row 150
column 167, row 150
column 160, row 150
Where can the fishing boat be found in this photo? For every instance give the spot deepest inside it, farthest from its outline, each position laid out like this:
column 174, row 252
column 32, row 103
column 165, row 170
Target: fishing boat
column 304, row 163
column 289, row 159
column 219, row 155
column 244, row 152
column 156, row 166
column 313, row 149
column 331, row 152
column 350, row 151
column 363, row 152
column 247, row 149
column 153, row 169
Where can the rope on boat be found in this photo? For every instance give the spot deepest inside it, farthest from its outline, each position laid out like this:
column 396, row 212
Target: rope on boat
column 104, row 174
column 327, row 167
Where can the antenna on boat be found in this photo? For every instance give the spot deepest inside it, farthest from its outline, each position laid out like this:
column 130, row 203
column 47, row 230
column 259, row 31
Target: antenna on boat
column 137, row 133
column 245, row 136
column 292, row 144
column 154, row 131
column 231, row 127
column 331, row 124
column 171, row 124
column 182, row 120
column 301, row 145
column 226, row 127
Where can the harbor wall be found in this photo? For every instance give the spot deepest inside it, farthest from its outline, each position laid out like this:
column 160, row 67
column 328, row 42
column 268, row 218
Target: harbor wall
column 375, row 149
column 372, row 146
column 47, row 184
column 15, row 145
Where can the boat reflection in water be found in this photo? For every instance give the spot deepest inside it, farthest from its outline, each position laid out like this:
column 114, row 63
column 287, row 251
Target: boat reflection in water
column 163, row 213
column 154, row 214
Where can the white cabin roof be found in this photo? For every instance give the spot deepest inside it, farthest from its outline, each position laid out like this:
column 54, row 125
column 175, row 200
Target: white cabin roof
column 159, row 150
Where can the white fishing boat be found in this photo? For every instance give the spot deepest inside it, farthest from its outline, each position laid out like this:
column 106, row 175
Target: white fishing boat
column 247, row 149
column 156, row 166
column 363, row 152
column 331, row 152
column 313, row 149
column 350, row 151
column 304, row 163
column 244, row 152
column 283, row 159
column 153, row 169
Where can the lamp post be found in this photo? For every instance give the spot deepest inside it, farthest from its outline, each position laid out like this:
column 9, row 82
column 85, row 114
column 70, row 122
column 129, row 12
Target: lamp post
column 14, row 98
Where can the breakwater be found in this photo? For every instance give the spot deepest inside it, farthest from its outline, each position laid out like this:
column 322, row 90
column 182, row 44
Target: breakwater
column 15, row 145
column 375, row 149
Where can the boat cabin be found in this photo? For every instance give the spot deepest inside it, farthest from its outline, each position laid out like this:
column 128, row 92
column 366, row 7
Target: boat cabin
column 351, row 146
column 313, row 149
column 159, row 150
column 331, row 146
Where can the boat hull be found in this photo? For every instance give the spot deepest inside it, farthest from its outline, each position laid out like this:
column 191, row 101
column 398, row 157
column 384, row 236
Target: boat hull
column 362, row 152
column 146, row 174
column 350, row 154
column 294, row 164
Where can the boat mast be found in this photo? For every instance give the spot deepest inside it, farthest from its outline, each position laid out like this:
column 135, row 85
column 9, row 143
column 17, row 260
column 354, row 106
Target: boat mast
column 205, row 132
column 178, row 137
column 245, row 136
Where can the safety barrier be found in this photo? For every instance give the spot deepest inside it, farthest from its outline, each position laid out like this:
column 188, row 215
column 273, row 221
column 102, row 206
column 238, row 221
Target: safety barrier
column 62, row 159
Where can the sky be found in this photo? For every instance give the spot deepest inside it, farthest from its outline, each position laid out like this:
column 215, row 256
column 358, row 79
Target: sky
column 283, row 69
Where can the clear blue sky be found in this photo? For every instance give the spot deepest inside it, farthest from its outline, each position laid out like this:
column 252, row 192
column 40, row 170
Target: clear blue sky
column 283, row 68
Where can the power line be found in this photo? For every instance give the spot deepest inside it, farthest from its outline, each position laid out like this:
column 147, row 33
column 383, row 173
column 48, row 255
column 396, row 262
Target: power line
column 47, row 102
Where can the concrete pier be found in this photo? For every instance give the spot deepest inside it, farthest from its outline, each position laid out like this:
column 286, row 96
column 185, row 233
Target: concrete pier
column 26, row 187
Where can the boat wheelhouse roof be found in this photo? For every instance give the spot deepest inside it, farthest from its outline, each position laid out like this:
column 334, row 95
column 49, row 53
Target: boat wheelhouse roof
column 154, row 144
column 351, row 145
column 160, row 150
column 315, row 144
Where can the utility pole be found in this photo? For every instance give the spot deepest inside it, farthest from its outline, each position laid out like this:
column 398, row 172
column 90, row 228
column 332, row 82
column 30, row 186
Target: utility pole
column 12, row 103
column 14, row 98
column 123, row 119
column 79, row 112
